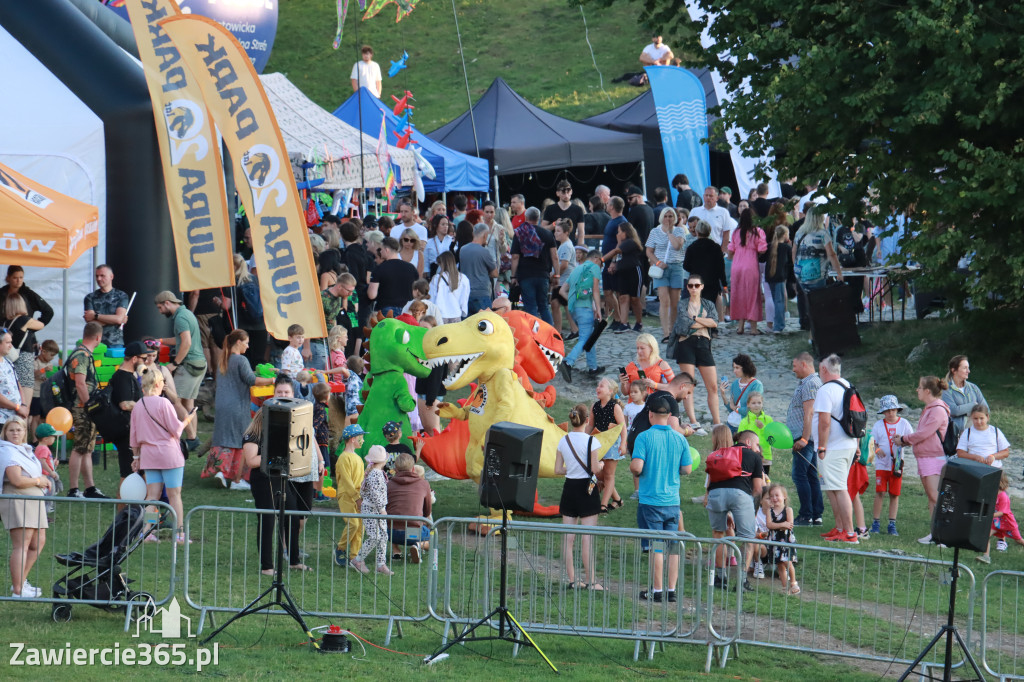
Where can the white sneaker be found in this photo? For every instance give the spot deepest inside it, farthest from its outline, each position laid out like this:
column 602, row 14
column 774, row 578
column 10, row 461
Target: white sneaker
column 698, row 430
column 1001, row 545
column 241, row 485
column 220, row 477
column 759, row 570
column 926, row 540
column 31, row 589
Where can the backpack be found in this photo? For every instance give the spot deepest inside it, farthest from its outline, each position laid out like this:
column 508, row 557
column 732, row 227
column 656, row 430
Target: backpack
column 725, row 464
column 585, row 284
column 57, row 390
column 854, row 420
column 951, row 438
column 250, row 307
column 110, row 420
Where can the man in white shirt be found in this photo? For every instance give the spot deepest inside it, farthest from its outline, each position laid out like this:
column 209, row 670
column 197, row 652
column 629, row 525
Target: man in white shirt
column 836, row 450
column 716, row 216
column 657, row 53
column 366, row 73
column 407, row 221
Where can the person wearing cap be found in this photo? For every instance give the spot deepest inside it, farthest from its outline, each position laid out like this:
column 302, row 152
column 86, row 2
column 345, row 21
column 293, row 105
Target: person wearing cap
column 724, row 200
column 231, row 403
column 348, row 479
column 188, row 364
column 374, row 500
column 125, row 393
column 108, row 306
column 641, row 215
column 46, row 436
column 888, row 460
column 657, row 53
column 660, row 457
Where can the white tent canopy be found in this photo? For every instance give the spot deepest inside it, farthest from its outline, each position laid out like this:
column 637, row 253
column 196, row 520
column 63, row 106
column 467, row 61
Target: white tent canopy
column 310, row 131
column 50, row 135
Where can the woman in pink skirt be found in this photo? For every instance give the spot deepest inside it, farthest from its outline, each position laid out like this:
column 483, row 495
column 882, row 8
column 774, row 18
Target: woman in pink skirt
column 746, row 243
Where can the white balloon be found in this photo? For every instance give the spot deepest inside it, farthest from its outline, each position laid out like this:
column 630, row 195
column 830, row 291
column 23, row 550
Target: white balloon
column 133, row 488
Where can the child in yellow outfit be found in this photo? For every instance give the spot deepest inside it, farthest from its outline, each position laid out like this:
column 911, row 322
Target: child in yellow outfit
column 756, row 420
column 349, row 473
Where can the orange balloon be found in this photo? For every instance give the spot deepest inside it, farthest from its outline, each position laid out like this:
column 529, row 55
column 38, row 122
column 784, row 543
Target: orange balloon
column 60, row 419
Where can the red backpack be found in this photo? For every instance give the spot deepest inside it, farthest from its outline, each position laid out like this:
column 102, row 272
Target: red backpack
column 725, row 464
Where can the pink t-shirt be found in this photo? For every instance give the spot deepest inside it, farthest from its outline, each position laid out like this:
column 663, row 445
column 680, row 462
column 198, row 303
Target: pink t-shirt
column 338, row 358
column 44, row 455
column 155, row 430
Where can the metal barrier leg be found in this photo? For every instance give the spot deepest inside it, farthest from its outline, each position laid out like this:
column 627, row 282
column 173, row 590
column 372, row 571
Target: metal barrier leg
column 391, row 625
column 710, row 657
column 636, row 651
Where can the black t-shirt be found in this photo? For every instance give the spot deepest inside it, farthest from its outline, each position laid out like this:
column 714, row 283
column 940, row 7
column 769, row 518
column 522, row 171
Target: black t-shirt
column 359, row 262
column 124, row 386
column 687, row 198
column 539, row 266
column 25, row 340
column 753, row 464
column 554, row 213
column 641, row 217
column 395, row 278
column 205, row 304
column 642, row 421
column 631, row 254
column 761, row 206
column 593, row 223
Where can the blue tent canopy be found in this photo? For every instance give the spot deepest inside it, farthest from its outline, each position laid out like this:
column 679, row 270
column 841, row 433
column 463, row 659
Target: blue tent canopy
column 455, row 171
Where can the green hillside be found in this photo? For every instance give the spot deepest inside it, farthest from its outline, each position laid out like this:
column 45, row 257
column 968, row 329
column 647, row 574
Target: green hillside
column 538, row 46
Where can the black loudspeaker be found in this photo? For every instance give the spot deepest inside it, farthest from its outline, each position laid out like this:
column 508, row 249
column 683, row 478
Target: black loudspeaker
column 967, row 500
column 833, row 322
column 287, row 447
column 511, row 459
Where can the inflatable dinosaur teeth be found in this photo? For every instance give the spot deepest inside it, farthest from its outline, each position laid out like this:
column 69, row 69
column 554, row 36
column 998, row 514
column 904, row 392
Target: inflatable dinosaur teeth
column 457, row 366
column 554, row 358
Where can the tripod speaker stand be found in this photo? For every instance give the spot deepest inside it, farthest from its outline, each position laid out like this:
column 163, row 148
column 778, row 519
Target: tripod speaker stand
column 277, row 592
column 508, row 480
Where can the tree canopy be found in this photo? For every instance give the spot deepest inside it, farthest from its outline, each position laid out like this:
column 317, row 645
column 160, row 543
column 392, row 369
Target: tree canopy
column 916, row 104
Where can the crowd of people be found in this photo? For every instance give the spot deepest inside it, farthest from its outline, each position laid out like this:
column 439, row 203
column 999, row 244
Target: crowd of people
column 599, row 262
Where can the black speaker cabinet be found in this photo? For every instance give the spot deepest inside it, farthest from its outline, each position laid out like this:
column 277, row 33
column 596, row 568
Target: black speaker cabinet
column 833, row 322
column 288, row 442
column 511, row 460
column 967, row 500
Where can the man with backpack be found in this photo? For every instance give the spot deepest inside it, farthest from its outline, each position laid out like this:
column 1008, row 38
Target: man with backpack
column 660, row 457
column 583, row 292
column 840, row 419
column 81, row 370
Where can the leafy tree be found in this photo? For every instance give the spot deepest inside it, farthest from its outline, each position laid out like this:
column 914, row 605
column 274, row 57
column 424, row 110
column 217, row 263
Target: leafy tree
column 916, row 104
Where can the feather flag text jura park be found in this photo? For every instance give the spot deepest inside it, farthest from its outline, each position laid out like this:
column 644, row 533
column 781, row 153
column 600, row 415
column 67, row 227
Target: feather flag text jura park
column 239, row 107
column 189, row 151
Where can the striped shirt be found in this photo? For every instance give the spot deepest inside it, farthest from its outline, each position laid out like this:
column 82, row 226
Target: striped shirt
column 663, row 251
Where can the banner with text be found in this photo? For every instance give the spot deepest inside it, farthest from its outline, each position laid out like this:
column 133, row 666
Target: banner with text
column 193, row 175
column 239, row 107
column 683, row 120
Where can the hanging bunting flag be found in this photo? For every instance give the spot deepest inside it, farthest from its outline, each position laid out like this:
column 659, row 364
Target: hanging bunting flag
column 238, row 105
column 189, row 152
column 405, row 8
column 342, row 13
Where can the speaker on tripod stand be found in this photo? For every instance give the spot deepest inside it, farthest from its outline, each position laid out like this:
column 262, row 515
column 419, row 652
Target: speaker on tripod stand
column 962, row 520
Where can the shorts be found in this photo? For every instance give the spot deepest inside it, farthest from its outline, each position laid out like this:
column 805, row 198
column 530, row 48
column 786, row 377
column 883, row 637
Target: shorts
column 696, row 351
column 930, row 466
column 834, row 470
column 630, row 282
column 35, row 408
column 609, row 280
column 171, row 478
column 575, row 502
column 721, row 501
column 409, row 535
column 82, row 430
column 558, row 299
column 857, row 480
column 186, row 385
column 885, row 481
column 673, row 277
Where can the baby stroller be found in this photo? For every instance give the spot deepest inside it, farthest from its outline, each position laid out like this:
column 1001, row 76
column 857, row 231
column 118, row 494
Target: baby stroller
column 96, row 573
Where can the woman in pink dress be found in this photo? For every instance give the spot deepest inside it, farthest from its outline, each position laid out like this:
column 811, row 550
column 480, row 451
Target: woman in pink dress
column 746, row 243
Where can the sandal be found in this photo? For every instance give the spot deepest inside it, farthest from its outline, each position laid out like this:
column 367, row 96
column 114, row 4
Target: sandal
column 794, row 589
column 596, row 587
column 615, row 504
column 267, row 571
column 604, row 509
column 577, row 585
column 300, row 567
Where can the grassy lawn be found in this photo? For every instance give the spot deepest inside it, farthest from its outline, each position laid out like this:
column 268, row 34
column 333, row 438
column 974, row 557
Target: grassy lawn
column 538, row 46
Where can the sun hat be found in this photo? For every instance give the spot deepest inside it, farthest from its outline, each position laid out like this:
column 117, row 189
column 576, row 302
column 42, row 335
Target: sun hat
column 351, row 431
column 889, row 402
column 377, row 454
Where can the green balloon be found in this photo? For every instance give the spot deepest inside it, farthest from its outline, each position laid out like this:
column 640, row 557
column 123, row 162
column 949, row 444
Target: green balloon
column 779, row 436
column 695, row 456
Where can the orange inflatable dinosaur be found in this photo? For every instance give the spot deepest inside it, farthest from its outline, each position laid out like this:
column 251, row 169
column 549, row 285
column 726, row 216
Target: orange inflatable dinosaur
column 539, row 350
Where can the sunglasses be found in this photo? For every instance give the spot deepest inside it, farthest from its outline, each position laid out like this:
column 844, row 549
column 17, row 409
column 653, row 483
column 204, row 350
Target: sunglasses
column 409, row 241
column 694, row 286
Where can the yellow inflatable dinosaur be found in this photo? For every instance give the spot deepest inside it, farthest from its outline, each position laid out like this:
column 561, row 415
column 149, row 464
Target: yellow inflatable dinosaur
column 481, row 349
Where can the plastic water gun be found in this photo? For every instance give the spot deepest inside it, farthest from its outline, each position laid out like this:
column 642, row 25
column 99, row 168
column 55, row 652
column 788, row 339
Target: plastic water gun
column 266, row 371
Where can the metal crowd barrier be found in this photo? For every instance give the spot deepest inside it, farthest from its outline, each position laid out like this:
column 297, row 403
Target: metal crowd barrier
column 76, row 525
column 857, row 604
column 224, row 576
column 1001, row 625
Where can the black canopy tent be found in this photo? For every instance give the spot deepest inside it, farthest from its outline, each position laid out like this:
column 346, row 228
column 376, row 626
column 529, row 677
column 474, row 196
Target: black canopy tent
column 638, row 116
column 517, row 137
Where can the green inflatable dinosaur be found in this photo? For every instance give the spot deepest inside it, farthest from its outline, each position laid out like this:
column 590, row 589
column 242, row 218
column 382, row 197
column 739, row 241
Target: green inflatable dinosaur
column 396, row 349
